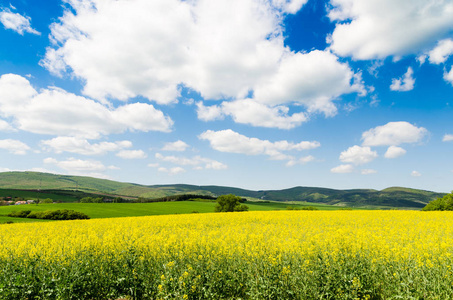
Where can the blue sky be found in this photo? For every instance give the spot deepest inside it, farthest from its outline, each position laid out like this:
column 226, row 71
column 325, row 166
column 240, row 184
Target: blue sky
column 253, row 94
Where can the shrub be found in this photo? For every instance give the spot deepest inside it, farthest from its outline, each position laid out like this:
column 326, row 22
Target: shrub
column 444, row 203
column 92, row 200
column 19, row 214
column 63, row 214
column 301, row 208
column 309, row 208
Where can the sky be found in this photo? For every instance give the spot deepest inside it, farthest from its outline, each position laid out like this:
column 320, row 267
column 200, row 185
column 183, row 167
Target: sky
column 256, row 94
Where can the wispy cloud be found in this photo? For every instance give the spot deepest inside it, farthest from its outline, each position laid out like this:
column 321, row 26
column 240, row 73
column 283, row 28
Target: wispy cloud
column 16, row 22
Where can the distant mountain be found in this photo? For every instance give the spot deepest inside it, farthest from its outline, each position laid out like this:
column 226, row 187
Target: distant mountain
column 397, row 197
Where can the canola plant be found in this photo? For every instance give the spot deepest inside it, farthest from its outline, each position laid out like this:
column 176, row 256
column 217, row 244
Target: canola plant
column 252, row 255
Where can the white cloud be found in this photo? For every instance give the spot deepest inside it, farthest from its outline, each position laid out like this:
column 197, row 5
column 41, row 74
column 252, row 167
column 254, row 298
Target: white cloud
column 311, row 79
column 368, row 171
column 394, row 152
column 5, row 126
column 197, row 162
column 358, row 155
column 441, row 52
column 131, row 154
column 303, row 160
column 405, row 83
column 376, row 29
column 233, row 142
column 209, row 113
column 248, row 111
column 82, row 146
column 188, row 102
column 341, row 169
column 224, row 49
column 57, row 112
column 289, row 6
column 393, row 134
column 448, row 76
column 214, row 165
column 373, row 69
column 16, row 22
column 14, row 146
column 416, row 174
column 175, row 146
column 447, row 138
column 251, row 112
column 77, row 165
column 148, row 48
column 320, row 80
column 421, row 59
column 172, row 171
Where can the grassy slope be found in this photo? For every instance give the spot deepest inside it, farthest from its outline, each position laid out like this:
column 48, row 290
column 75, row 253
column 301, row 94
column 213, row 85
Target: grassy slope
column 35, row 180
column 391, row 197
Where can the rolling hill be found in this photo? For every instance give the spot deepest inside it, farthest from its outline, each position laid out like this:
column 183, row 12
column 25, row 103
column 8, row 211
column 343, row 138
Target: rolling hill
column 397, row 197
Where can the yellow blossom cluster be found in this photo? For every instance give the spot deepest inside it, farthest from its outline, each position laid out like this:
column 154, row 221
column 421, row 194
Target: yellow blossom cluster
column 384, row 236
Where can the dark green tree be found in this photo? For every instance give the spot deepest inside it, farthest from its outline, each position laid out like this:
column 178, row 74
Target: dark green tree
column 86, row 200
column 226, row 203
column 444, row 203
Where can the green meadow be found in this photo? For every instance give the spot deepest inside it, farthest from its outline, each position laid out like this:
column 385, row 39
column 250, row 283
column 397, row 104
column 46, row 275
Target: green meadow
column 117, row 210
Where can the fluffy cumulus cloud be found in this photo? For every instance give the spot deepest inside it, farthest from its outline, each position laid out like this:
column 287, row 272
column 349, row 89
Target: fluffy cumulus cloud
column 441, row 52
column 197, row 162
column 209, row 113
column 375, row 29
column 394, row 152
column 439, row 55
column 222, row 49
column 179, row 146
column 248, row 111
column 149, row 47
column 358, row 155
column 132, row 154
column 16, row 22
column 82, row 146
column 233, row 142
column 311, row 79
column 342, row 169
column 405, row 83
column 57, row 112
column 14, row 146
column 393, row 134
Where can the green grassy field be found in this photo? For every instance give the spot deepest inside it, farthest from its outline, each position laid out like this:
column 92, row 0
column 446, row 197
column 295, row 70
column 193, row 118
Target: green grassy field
column 116, row 210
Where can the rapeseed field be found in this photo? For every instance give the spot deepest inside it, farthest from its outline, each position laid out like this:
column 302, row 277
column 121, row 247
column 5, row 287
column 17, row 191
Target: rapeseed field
column 250, row 255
